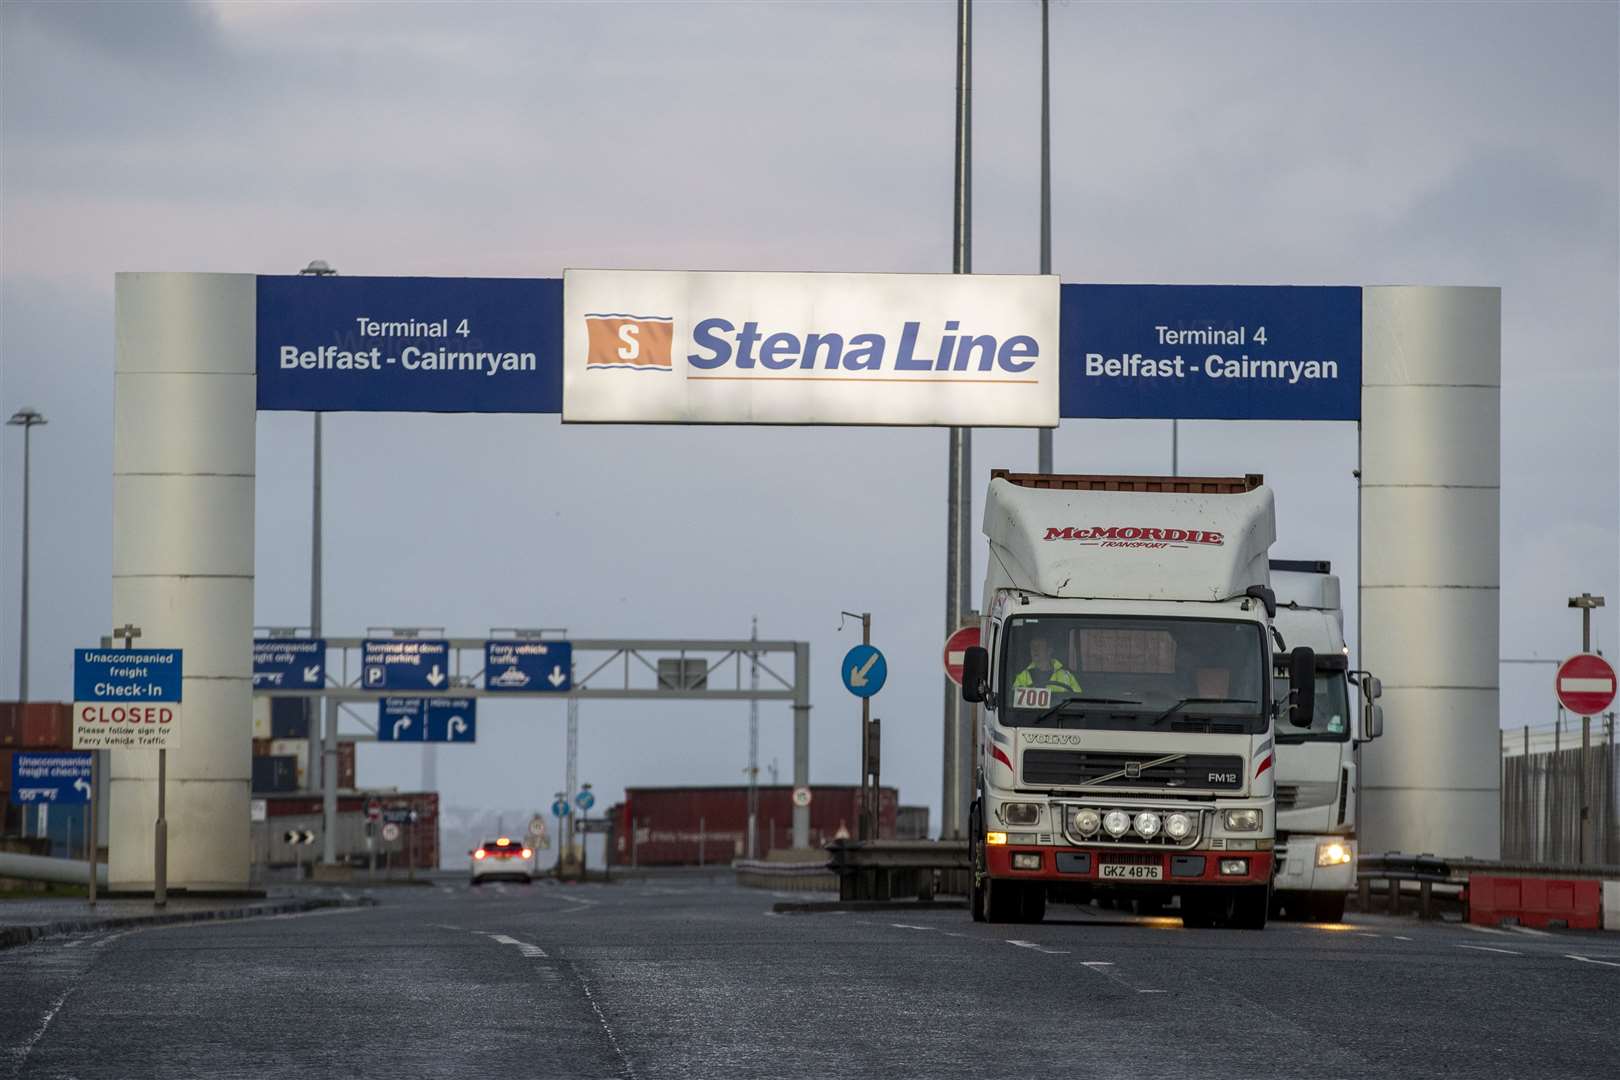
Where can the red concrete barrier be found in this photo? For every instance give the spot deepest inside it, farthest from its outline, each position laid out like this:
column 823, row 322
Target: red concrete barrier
column 1535, row 901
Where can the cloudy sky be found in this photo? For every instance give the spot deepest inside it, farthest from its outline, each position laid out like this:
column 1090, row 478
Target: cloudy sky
column 1470, row 144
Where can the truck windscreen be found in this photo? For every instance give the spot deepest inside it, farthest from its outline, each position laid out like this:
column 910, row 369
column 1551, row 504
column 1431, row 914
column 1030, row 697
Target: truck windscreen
column 1134, row 672
column 1332, row 720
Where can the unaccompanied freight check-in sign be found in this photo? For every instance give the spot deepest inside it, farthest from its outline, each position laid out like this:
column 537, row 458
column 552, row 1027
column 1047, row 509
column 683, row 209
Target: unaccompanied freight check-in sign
column 126, row 699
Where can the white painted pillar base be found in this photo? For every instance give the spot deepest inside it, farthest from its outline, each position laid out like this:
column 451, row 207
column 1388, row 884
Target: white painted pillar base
column 1430, row 567
column 182, row 564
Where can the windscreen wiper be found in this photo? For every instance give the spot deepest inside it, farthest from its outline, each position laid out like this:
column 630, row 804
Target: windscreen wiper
column 1178, row 706
column 1078, row 699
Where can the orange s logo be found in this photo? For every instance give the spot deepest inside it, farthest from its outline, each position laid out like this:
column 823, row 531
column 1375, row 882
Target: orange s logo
column 637, row 342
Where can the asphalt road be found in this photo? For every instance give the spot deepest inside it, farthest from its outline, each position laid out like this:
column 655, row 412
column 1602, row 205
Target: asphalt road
column 683, row 979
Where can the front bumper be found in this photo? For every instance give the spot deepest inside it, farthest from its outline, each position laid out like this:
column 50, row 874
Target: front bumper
column 1297, row 870
column 1079, row 863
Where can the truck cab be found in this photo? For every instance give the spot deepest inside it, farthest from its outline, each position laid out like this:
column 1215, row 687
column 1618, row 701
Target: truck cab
column 1317, row 766
column 1126, row 741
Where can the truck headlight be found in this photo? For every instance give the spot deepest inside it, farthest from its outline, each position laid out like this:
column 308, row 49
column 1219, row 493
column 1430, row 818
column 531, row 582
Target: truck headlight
column 1085, row 821
column 1245, row 820
column 1117, row 822
column 1020, row 813
column 1333, row 853
column 1147, row 824
column 1178, row 826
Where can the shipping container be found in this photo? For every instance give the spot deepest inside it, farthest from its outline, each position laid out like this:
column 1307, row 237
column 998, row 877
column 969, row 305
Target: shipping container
column 346, row 781
column 911, row 823
column 47, row 725
column 261, row 747
column 10, row 724
column 298, row 750
column 289, row 718
column 683, row 826
column 261, row 717
column 275, row 774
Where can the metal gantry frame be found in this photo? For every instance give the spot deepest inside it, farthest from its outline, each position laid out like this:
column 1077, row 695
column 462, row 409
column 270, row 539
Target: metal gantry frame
column 604, row 669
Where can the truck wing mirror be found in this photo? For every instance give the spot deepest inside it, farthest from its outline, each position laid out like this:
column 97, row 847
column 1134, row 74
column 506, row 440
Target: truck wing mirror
column 975, row 673
column 1302, row 686
column 1372, row 688
column 1372, row 721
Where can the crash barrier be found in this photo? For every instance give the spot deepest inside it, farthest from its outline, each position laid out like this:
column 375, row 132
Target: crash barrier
column 785, row 876
column 1535, row 901
column 898, row 869
column 1395, row 869
column 1532, row 894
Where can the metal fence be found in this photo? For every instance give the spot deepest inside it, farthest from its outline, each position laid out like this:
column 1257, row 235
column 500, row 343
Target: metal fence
column 1560, row 790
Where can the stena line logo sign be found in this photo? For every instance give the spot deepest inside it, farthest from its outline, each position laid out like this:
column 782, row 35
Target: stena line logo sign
column 790, row 348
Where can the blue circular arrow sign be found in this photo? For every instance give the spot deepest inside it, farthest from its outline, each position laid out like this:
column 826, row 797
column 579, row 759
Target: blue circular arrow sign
column 560, row 808
column 864, row 670
column 585, row 800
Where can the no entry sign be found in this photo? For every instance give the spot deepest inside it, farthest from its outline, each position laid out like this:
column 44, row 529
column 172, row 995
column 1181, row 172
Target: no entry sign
column 1585, row 684
column 956, row 647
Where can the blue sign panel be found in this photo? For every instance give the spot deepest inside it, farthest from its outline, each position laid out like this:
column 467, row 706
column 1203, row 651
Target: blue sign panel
column 289, row 663
column 427, row 720
column 332, row 344
column 1211, row 352
column 405, row 663
column 452, row 720
column 126, row 675
column 560, row 808
column 585, row 799
column 528, row 666
column 864, row 670
column 57, row 779
column 401, row 719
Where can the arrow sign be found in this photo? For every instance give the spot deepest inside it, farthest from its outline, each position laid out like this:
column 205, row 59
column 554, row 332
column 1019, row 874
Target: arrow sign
column 456, row 726
column 404, row 663
column 82, row 785
column 51, row 779
column 399, row 719
column 528, row 666
column 289, row 663
column 864, row 670
column 452, row 720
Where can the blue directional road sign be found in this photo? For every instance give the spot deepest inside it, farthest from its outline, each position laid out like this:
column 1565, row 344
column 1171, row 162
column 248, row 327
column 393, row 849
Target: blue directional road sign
column 56, row 779
column 405, row 663
column 560, row 808
column 129, row 675
column 289, row 663
column 1212, row 352
column 585, row 800
column 452, row 720
column 401, row 719
column 864, row 670
column 327, row 344
column 427, row 720
column 528, row 666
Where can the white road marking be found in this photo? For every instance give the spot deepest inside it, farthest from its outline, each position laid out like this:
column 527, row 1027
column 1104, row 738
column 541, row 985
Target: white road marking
column 908, row 926
column 50, row 1014
column 1532, row 931
column 533, row 952
column 76, row 942
column 1363, row 933
column 1483, row 929
column 1589, row 960
column 1487, row 948
column 113, row 937
column 629, row 1070
column 1153, row 991
column 1097, row 963
column 1402, row 937
column 1038, row 947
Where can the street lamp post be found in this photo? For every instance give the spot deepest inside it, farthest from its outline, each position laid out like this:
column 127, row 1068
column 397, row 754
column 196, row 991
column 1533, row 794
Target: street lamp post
column 28, row 419
column 317, row 710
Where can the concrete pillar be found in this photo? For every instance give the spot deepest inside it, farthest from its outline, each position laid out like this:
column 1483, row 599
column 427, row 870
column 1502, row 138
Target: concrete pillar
column 1430, row 567
column 182, row 564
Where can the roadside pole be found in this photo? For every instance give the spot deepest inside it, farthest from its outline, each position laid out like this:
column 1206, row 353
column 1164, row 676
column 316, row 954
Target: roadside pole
column 1585, row 602
column 94, row 808
column 160, row 830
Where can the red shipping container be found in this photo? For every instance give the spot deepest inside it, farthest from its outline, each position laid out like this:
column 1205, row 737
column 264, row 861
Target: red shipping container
column 346, row 766
column 1535, row 902
column 680, row 826
column 10, row 724
column 47, row 725
column 261, row 748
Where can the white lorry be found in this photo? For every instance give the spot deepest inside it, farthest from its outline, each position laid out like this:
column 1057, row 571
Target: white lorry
column 1317, row 776
column 1125, row 745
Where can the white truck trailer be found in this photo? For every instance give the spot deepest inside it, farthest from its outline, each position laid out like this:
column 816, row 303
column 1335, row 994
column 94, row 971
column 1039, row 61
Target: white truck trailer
column 1126, row 738
column 1317, row 775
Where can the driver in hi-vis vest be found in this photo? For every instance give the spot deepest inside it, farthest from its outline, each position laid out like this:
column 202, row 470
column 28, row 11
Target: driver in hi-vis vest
column 1046, row 670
